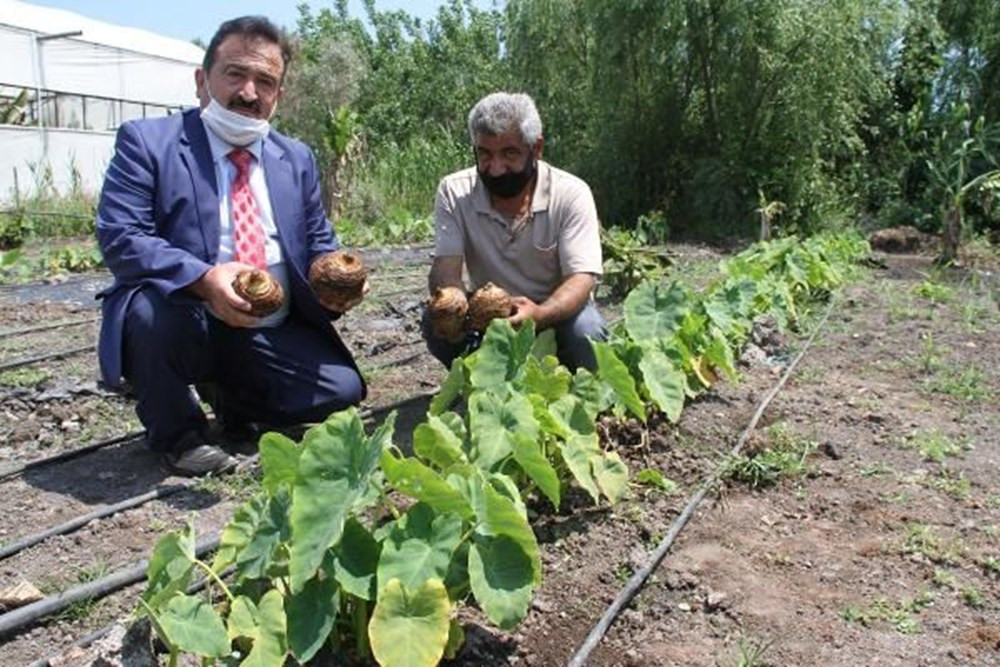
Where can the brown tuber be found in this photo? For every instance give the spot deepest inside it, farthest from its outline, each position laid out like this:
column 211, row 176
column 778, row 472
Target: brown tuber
column 338, row 278
column 448, row 307
column 488, row 303
column 261, row 289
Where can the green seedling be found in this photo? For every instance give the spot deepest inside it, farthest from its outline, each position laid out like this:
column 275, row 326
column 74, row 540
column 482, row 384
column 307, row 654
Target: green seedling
column 973, row 597
column 921, row 539
column 936, row 446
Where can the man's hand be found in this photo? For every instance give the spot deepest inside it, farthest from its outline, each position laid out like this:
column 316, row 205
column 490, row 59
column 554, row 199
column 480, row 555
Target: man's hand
column 215, row 288
column 343, row 307
column 526, row 309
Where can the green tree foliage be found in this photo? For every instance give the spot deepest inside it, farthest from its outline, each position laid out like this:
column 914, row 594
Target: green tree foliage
column 687, row 110
column 693, row 107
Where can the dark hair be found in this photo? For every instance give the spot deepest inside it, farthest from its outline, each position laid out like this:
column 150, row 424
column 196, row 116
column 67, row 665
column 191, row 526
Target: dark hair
column 248, row 26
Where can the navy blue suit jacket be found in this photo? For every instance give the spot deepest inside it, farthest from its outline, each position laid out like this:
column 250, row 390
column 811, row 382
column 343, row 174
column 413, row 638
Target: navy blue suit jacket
column 158, row 221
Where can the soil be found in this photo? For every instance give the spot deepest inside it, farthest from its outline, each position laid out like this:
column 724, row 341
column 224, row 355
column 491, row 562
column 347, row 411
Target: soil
column 882, row 549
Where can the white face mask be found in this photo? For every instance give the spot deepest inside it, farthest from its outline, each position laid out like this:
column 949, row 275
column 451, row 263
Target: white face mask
column 233, row 128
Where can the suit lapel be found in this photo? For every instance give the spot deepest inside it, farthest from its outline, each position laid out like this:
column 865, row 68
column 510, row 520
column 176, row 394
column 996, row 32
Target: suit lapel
column 285, row 206
column 197, row 156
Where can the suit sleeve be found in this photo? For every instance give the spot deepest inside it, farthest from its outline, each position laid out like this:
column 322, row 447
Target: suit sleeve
column 320, row 235
column 132, row 234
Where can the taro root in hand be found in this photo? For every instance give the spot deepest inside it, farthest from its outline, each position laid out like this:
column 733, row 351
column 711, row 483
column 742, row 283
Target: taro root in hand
column 338, row 278
column 261, row 289
column 486, row 304
column 448, row 307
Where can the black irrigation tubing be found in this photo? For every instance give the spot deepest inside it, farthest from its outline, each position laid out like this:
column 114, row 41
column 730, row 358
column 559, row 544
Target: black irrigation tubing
column 64, row 456
column 9, row 550
column 46, row 357
column 31, row 613
column 77, row 522
column 87, row 640
column 636, row 582
column 46, row 327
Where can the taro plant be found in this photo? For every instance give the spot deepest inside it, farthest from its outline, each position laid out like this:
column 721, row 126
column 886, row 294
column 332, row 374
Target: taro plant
column 324, row 560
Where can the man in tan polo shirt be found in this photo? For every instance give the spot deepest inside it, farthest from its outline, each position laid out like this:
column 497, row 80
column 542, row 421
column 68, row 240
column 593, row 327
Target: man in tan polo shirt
column 522, row 224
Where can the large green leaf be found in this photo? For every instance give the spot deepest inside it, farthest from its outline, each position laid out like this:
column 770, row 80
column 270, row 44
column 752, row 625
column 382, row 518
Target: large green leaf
column 500, row 573
column 665, row 382
column 655, row 310
column 436, row 440
column 419, row 547
column 595, row 395
column 452, row 387
column 546, row 377
column 529, row 455
column 611, row 475
column 577, row 452
column 279, row 459
column 545, row 344
column 170, row 566
column 355, row 558
column 270, row 645
column 334, row 470
column 251, row 536
column 410, row 628
column 193, row 626
column 500, row 515
column 493, row 421
column 413, row 478
column 571, row 416
column 310, row 615
column 502, row 354
column 612, row 370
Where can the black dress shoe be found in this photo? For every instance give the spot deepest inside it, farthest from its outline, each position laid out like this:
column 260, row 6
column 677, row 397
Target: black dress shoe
column 200, row 460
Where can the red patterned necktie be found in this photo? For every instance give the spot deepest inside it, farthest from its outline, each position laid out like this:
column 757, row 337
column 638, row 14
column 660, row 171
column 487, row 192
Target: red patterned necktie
column 248, row 233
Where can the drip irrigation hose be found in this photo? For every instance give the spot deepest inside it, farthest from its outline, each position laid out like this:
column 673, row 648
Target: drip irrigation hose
column 9, row 550
column 47, row 327
column 17, row 469
column 636, row 582
column 29, row 614
column 64, row 456
column 87, row 640
column 17, row 363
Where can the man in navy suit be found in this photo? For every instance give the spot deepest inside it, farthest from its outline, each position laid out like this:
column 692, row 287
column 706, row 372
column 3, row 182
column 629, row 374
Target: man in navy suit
column 165, row 225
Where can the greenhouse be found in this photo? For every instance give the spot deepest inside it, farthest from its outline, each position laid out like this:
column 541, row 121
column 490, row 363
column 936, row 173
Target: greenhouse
column 67, row 82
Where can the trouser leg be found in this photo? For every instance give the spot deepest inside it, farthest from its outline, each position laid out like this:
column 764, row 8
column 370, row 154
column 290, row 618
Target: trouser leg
column 573, row 337
column 165, row 349
column 282, row 375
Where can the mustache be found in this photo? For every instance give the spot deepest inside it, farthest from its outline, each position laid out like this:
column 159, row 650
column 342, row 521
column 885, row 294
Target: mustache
column 239, row 103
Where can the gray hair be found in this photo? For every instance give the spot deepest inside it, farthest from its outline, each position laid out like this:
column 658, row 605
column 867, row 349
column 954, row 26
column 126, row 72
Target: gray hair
column 499, row 113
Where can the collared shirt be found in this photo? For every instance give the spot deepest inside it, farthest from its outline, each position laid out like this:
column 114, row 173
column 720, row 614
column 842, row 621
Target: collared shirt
column 225, row 174
column 528, row 257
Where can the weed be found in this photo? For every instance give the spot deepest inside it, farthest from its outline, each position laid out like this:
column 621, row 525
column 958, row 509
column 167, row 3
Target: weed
column 930, row 354
column 876, row 469
column 934, row 292
column 973, row 597
column 991, row 565
column 24, row 377
column 751, row 651
column 943, row 578
column 898, row 614
column 655, row 479
column 969, row 384
column 954, row 484
column 990, row 531
column 921, row 539
column 898, row 497
column 782, row 455
column 936, row 446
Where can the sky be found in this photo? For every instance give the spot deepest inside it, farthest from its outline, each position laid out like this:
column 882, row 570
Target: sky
column 190, row 19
